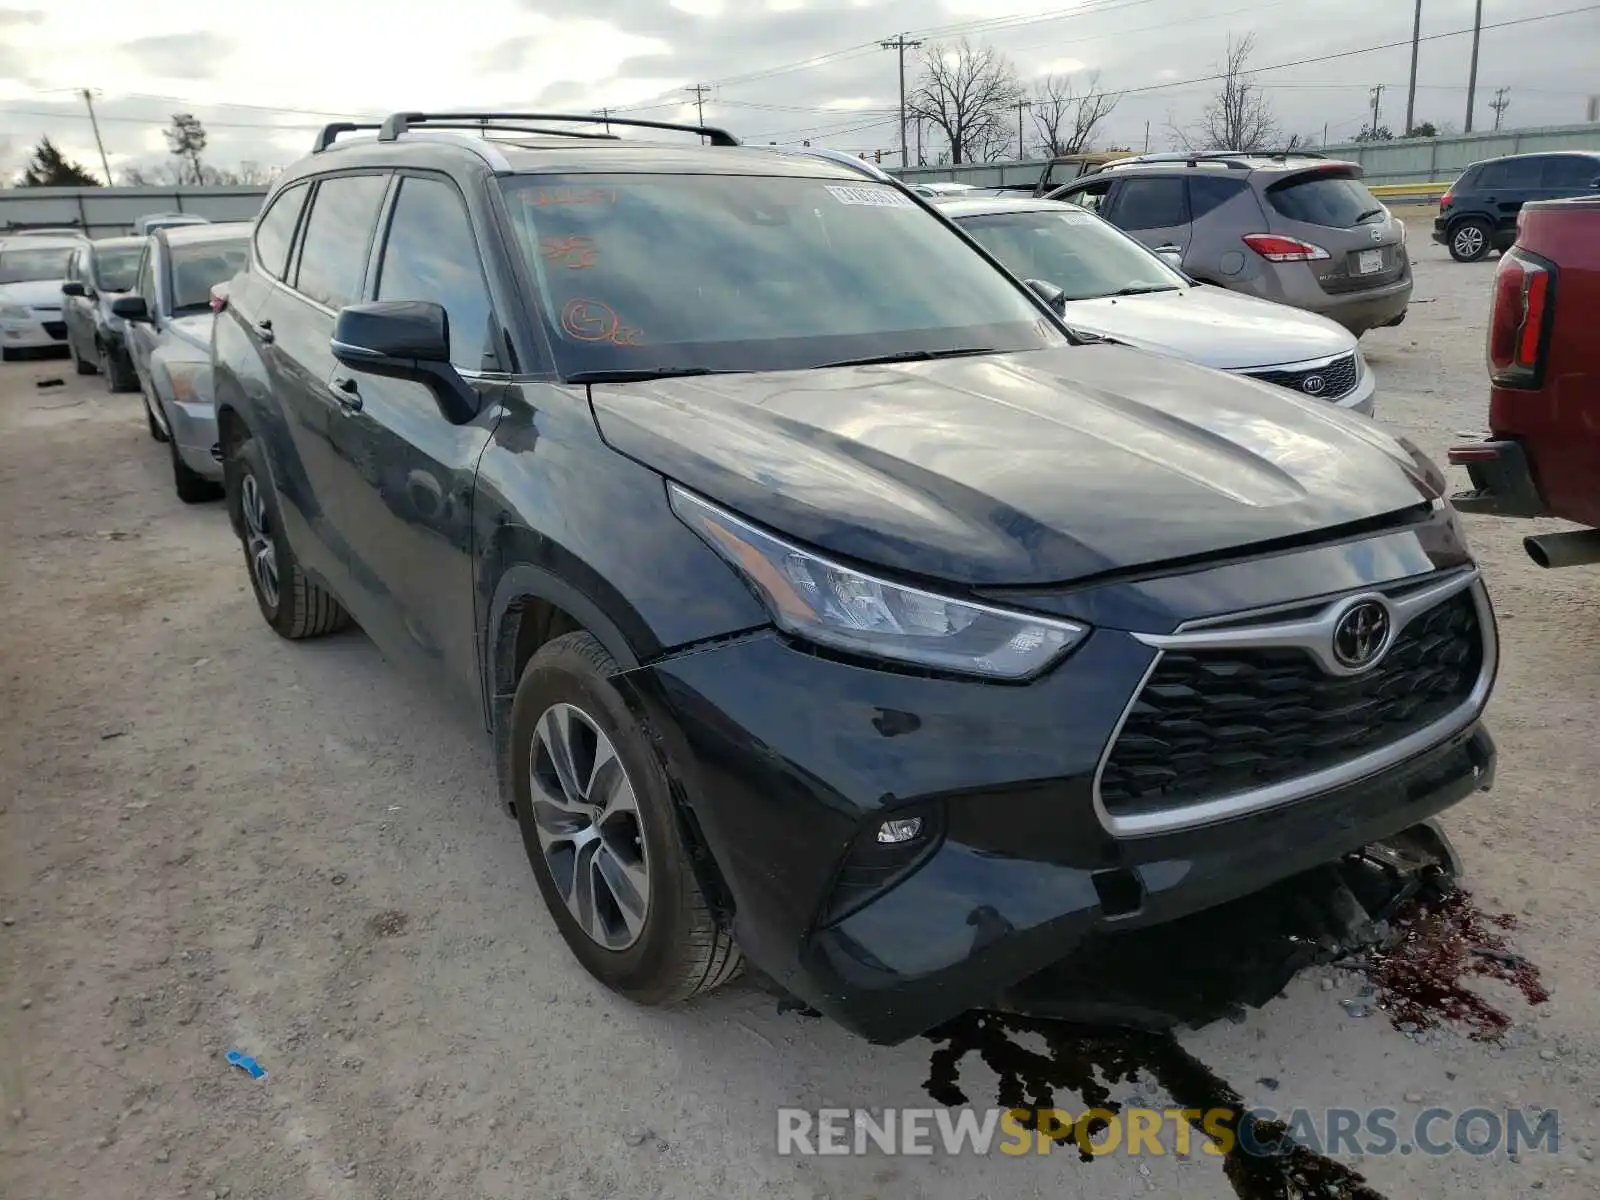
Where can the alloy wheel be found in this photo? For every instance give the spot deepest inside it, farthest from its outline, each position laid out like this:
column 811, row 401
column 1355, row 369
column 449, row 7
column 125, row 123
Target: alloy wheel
column 586, row 815
column 1469, row 241
column 260, row 547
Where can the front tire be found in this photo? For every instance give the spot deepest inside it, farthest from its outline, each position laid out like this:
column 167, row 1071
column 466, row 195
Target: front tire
column 1469, row 240
column 81, row 365
column 602, row 833
column 119, row 375
column 295, row 607
column 191, row 486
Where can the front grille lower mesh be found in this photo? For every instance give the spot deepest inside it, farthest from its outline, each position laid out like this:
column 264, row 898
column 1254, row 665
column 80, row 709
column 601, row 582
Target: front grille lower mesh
column 1338, row 378
column 1213, row 723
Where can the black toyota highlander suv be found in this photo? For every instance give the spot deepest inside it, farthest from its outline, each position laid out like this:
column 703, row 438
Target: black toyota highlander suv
column 829, row 604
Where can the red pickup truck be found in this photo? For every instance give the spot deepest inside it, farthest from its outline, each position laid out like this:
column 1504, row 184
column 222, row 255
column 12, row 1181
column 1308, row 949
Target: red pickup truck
column 1542, row 458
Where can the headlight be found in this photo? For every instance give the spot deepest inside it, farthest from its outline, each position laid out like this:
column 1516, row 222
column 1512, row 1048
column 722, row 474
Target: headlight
column 15, row 312
column 191, row 381
column 824, row 602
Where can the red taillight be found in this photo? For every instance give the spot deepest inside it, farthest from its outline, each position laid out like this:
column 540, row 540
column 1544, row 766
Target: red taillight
column 1520, row 316
column 218, row 303
column 1445, row 201
column 1274, row 247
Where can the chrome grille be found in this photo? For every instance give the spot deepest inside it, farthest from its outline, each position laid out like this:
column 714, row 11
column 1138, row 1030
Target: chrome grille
column 1339, row 377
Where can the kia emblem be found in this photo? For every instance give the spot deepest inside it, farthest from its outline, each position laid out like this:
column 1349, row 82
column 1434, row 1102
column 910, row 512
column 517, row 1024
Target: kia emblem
column 1313, row 385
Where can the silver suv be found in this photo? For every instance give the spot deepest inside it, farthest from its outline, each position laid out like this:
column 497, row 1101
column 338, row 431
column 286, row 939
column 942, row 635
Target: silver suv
column 1295, row 227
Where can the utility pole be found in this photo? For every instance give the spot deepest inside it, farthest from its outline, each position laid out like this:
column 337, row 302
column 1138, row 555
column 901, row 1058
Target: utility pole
column 88, row 100
column 919, row 141
column 605, row 115
column 1472, row 71
column 1500, row 103
column 901, row 44
column 1377, row 98
column 700, row 90
column 1411, row 89
column 1147, row 137
column 1022, row 151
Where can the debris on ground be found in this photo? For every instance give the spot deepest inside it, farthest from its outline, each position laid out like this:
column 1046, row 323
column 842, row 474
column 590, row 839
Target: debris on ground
column 246, row 1064
column 52, row 381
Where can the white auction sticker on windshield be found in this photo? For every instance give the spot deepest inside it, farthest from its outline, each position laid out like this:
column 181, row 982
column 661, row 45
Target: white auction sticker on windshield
column 871, row 197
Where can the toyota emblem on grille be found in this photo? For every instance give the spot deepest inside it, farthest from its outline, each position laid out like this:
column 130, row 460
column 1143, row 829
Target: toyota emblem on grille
column 1313, row 385
column 1362, row 635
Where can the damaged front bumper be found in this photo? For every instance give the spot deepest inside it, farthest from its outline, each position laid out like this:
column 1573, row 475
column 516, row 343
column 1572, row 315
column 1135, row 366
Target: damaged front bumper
column 787, row 762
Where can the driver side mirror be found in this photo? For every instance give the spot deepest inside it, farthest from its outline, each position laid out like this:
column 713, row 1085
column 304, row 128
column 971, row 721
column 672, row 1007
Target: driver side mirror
column 1050, row 294
column 72, row 288
column 405, row 339
column 130, row 308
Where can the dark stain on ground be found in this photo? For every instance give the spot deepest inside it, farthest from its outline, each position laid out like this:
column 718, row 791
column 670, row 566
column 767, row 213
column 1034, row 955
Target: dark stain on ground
column 1107, row 1014
column 1260, row 1162
column 388, row 924
column 1442, row 943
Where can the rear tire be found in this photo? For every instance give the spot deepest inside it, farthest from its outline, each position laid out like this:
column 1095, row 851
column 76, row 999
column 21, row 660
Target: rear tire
column 602, row 831
column 295, row 607
column 1469, row 240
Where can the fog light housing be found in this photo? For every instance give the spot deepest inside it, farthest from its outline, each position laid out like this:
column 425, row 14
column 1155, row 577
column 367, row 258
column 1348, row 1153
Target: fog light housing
column 898, row 832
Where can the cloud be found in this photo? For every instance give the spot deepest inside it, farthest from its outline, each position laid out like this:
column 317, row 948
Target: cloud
column 23, row 16
column 180, row 55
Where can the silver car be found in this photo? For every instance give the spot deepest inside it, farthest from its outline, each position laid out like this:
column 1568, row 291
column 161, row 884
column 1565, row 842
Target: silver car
column 168, row 333
column 32, row 270
column 1295, row 227
column 1105, row 284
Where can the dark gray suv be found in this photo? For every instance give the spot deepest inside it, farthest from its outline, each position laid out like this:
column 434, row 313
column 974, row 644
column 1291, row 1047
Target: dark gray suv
column 1296, row 228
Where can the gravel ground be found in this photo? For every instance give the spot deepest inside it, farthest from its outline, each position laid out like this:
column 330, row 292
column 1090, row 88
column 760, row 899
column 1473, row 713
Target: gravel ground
column 210, row 838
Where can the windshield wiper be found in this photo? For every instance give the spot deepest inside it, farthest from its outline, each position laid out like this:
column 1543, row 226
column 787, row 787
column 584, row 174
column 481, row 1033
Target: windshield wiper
column 1371, row 212
column 1144, row 289
column 910, row 356
column 640, row 374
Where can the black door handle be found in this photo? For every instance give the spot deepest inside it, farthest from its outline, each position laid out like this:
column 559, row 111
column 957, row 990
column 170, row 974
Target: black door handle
column 264, row 331
column 348, row 393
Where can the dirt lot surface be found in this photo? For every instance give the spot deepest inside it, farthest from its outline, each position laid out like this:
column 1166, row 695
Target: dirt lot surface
column 210, row 839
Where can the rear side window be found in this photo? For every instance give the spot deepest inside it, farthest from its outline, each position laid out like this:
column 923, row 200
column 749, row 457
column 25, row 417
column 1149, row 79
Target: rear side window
column 1569, row 172
column 1207, row 192
column 431, row 255
column 275, row 230
column 333, row 253
column 1092, row 197
column 1336, row 201
column 1150, row 204
column 1509, row 173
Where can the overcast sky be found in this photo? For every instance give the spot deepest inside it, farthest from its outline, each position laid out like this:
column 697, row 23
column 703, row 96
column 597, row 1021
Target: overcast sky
column 263, row 76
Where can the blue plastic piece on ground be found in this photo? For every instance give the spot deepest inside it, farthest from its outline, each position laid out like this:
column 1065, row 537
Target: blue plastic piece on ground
column 246, row 1064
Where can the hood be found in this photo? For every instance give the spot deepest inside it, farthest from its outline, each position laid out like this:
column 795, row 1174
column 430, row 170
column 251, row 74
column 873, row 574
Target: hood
column 1032, row 468
column 36, row 293
column 1213, row 327
column 194, row 328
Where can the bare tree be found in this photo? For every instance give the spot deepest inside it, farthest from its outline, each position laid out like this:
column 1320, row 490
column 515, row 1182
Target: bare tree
column 1238, row 117
column 151, row 175
column 1067, row 118
column 967, row 91
column 186, row 139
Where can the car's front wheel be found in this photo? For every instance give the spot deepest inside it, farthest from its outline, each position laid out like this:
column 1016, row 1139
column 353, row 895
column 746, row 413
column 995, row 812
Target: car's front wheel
column 1469, row 241
column 79, row 364
column 602, row 832
column 292, row 604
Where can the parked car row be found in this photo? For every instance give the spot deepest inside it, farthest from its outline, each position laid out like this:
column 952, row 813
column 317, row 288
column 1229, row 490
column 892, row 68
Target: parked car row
column 835, row 597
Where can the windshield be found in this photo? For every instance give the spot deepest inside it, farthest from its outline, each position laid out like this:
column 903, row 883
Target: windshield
column 30, row 264
column 1075, row 250
column 195, row 267
column 755, row 273
column 117, row 267
column 1336, row 201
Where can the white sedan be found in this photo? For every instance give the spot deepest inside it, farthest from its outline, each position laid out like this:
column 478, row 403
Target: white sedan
column 32, row 270
column 1106, row 284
